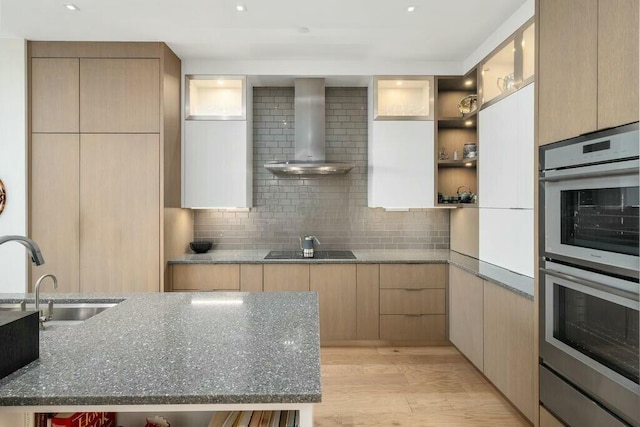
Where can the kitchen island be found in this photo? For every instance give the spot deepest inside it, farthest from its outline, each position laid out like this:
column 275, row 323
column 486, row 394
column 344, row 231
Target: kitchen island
column 196, row 352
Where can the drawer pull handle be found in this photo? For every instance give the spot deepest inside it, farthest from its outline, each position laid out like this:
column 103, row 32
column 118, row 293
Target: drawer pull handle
column 413, row 315
column 413, row 289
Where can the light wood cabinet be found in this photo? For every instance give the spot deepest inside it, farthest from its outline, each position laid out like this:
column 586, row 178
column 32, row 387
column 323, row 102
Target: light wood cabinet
column 205, row 277
column 336, row 288
column 508, row 345
column 251, row 277
column 104, row 175
column 119, row 222
column 588, row 66
column 55, row 207
column 567, row 69
column 286, row 277
column 367, row 301
column 617, row 62
column 548, row 420
column 403, row 276
column 119, row 95
column 55, row 89
column 412, row 327
column 466, row 314
column 412, row 301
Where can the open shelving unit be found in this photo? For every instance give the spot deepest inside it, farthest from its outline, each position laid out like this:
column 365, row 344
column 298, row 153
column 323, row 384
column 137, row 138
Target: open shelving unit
column 454, row 129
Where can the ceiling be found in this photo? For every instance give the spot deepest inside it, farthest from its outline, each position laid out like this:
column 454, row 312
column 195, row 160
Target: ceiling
column 354, row 30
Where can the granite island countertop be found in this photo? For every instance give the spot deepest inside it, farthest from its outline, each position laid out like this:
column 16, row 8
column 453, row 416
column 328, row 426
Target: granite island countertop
column 518, row 283
column 182, row 348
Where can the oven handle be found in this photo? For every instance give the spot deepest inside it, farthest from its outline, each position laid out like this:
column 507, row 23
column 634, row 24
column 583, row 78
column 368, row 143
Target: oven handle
column 597, row 174
column 590, row 284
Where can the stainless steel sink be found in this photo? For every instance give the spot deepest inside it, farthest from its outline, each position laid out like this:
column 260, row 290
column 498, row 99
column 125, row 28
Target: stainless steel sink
column 316, row 255
column 62, row 313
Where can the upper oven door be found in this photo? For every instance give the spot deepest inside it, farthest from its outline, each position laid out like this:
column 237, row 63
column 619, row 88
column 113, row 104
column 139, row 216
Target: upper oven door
column 592, row 216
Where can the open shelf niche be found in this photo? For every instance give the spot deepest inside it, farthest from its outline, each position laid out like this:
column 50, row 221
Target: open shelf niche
column 454, row 129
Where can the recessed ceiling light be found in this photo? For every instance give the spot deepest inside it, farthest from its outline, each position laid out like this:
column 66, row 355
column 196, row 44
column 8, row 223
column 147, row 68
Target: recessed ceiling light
column 71, row 6
column 468, row 164
column 399, row 83
column 468, row 83
column 241, row 8
column 411, row 9
column 468, row 122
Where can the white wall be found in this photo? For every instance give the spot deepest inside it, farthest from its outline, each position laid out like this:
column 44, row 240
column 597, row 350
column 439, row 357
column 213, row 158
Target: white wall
column 509, row 26
column 13, row 162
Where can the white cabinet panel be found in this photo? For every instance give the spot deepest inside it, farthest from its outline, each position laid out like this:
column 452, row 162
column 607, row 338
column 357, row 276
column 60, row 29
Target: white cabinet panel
column 526, row 146
column 217, row 164
column 506, row 239
column 401, row 161
column 498, row 133
column 507, row 152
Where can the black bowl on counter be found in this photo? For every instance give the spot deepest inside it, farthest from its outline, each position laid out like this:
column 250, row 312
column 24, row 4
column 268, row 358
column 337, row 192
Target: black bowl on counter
column 200, row 247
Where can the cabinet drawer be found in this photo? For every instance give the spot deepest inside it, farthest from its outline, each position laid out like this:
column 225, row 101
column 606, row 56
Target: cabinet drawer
column 396, row 276
column 412, row 301
column 206, row 277
column 429, row 327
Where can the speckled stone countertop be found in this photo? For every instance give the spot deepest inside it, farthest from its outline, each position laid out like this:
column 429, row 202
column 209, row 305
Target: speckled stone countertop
column 518, row 283
column 179, row 348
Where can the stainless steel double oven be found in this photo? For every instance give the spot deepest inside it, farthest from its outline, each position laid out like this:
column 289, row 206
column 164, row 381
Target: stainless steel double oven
column 589, row 269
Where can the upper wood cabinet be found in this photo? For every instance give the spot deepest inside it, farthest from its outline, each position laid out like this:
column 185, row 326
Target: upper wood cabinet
column 588, row 66
column 336, row 288
column 119, row 95
column 55, row 90
column 617, row 62
column 102, row 170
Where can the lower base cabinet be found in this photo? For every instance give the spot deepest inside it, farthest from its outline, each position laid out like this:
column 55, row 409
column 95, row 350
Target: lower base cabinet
column 336, row 288
column 493, row 327
column 466, row 315
column 548, row 420
column 508, row 345
column 413, row 327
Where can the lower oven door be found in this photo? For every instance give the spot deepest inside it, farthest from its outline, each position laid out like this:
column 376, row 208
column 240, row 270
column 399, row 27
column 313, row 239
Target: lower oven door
column 589, row 335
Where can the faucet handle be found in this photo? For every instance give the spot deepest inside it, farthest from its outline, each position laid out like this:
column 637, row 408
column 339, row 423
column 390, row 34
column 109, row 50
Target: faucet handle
column 23, row 305
column 50, row 310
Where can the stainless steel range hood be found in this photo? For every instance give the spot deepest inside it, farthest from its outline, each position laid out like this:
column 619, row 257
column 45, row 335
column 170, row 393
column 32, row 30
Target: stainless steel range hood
column 310, row 137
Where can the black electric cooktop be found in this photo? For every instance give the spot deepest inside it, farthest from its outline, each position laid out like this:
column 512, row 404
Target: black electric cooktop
column 316, row 255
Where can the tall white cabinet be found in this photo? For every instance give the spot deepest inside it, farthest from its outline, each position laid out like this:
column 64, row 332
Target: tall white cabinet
column 218, row 143
column 506, row 182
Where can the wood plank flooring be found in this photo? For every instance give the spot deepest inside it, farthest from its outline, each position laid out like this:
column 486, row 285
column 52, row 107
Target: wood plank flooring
column 417, row 387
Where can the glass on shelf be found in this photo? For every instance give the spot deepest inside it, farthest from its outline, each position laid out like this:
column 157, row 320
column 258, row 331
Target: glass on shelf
column 528, row 44
column 404, row 98
column 215, row 98
column 498, row 73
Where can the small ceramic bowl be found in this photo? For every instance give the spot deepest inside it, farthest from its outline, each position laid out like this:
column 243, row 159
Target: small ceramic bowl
column 200, row 247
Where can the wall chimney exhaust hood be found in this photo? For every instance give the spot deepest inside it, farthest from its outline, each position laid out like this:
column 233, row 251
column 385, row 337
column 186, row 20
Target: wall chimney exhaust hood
column 310, row 137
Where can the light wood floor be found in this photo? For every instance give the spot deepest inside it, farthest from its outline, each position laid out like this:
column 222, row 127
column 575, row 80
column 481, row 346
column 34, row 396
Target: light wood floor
column 417, row 387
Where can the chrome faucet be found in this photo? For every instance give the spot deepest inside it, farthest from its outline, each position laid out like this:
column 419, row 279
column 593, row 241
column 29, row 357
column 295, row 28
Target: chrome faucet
column 41, row 316
column 32, row 247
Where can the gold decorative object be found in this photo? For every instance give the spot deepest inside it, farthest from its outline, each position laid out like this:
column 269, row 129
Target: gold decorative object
column 3, row 196
column 468, row 104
